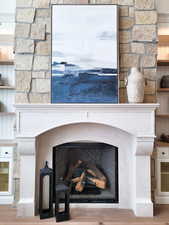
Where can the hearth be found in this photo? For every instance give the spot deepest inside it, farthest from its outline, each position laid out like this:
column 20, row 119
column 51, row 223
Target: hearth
column 100, row 157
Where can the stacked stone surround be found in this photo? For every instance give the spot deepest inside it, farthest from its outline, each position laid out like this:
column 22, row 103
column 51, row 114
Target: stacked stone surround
column 137, row 46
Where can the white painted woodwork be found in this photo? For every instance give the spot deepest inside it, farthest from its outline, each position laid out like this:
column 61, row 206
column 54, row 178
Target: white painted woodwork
column 6, row 155
column 7, row 98
column 162, row 156
column 162, row 124
column 7, row 122
column 8, row 6
column 130, row 127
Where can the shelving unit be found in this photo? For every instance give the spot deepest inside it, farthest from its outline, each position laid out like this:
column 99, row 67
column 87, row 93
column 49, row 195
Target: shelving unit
column 162, row 115
column 162, row 124
column 162, row 159
column 6, row 175
column 7, row 136
column 8, row 150
column 7, row 95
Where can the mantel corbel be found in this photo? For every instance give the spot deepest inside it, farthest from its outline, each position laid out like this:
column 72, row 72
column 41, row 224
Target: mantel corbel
column 144, row 145
column 26, row 146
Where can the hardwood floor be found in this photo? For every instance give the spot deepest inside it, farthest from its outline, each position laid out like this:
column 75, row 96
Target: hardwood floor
column 89, row 217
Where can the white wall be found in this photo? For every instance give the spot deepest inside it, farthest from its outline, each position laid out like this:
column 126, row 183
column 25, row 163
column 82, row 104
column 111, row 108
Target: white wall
column 8, row 6
column 7, row 19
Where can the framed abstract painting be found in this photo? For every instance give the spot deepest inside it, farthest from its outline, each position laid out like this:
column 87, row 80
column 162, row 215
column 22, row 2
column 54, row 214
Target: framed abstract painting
column 84, row 54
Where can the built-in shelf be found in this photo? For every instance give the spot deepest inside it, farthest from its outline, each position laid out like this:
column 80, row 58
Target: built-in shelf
column 163, row 89
column 163, row 39
column 163, row 62
column 7, row 87
column 7, row 113
column 163, row 47
column 8, row 143
column 6, row 62
column 163, row 115
column 162, row 144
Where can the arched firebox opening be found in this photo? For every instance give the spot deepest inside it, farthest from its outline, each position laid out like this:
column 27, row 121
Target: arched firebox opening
column 90, row 168
column 80, row 136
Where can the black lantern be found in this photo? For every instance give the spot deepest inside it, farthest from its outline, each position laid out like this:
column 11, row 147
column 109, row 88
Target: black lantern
column 46, row 192
column 62, row 190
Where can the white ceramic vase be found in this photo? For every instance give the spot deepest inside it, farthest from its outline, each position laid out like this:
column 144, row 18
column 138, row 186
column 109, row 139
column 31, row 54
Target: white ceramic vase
column 135, row 86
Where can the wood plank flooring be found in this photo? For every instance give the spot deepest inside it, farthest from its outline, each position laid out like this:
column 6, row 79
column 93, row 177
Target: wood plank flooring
column 89, row 217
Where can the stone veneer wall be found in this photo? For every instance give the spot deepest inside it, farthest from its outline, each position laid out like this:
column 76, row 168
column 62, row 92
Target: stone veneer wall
column 137, row 37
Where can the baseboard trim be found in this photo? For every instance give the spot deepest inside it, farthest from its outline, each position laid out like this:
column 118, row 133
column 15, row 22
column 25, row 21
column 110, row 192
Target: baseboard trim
column 6, row 200
column 162, row 200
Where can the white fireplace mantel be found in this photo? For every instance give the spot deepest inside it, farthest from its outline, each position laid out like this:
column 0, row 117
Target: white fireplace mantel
column 102, row 122
column 44, row 117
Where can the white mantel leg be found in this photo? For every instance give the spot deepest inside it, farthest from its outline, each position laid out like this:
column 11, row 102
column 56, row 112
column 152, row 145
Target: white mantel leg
column 26, row 204
column 142, row 203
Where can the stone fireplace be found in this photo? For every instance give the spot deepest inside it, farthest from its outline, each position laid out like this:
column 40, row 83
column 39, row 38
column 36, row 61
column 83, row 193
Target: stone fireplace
column 42, row 127
column 128, row 127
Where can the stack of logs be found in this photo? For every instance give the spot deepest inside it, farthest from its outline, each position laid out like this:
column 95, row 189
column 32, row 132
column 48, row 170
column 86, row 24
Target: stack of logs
column 82, row 173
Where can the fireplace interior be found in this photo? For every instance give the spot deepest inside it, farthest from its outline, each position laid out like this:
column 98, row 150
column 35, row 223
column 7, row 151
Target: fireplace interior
column 104, row 160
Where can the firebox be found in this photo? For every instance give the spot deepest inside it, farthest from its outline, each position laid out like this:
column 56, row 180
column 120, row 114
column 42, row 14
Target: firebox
column 90, row 168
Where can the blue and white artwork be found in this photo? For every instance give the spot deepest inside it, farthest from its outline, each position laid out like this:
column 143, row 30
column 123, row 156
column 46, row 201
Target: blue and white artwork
column 84, row 54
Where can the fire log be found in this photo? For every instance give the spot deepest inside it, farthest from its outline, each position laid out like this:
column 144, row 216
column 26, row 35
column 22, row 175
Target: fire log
column 76, row 179
column 71, row 170
column 94, row 171
column 99, row 183
column 80, row 185
column 90, row 173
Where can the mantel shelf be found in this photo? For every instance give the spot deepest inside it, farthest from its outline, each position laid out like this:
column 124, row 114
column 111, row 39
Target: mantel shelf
column 68, row 106
column 7, row 87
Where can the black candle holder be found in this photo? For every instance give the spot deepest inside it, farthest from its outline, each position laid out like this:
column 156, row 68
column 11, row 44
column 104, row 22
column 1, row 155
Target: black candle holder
column 60, row 190
column 46, row 212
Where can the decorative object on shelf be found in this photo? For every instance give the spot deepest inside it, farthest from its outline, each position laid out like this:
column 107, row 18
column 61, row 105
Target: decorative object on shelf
column 46, row 192
column 1, row 81
column 62, row 188
column 6, row 53
column 163, row 47
column 135, row 84
column 164, row 138
column 164, row 83
column 84, row 61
